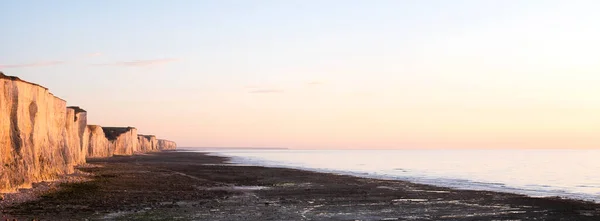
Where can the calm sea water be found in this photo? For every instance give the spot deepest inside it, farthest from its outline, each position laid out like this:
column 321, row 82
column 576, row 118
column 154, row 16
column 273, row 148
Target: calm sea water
column 564, row 173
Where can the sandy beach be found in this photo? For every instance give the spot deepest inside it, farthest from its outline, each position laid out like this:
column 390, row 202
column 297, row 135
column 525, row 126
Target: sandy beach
column 194, row 186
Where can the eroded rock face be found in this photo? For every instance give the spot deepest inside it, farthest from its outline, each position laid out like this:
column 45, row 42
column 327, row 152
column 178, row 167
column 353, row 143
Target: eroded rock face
column 147, row 143
column 72, row 139
column 81, row 128
column 98, row 144
column 166, row 145
column 38, row 140
column 75, row 130
column 124, row 139
column 41, row 138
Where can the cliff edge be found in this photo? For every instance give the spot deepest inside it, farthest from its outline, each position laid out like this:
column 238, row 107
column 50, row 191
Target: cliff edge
column 147, row 143
column 41, row 138
column 98, row 144
column 124, row 139
column 37, row 135
column 166, row 145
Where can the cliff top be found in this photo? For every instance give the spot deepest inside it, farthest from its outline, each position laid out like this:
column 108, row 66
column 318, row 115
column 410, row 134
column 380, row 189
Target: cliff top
column 112, row 133
column 13, row 78
column 146, row 136
column 77, row 109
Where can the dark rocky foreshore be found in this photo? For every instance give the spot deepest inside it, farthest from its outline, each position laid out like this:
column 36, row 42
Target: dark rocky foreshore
column 194, row 186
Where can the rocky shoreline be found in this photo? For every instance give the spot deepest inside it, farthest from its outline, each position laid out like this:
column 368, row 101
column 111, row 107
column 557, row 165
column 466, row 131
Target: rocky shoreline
column 195, row 186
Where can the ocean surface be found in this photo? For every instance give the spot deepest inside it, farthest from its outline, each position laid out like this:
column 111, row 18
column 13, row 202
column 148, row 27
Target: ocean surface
column 564, row 173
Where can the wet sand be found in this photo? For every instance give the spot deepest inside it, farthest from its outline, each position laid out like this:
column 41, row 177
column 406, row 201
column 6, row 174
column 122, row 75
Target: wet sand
column 194, row 186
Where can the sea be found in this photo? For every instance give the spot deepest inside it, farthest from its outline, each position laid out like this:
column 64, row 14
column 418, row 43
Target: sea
column 562, row 173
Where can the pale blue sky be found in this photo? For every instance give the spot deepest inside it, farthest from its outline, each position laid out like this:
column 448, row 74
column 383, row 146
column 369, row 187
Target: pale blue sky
column 386, row 74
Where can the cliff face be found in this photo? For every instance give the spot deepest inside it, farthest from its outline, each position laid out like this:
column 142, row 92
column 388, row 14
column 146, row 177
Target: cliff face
column 72, row 139
column 81, row 129
column 98, row 144
column 147, row 143
column 38, row 140
column 166, row 145
column 76, row 125
column 41, row 138
column 124, row 139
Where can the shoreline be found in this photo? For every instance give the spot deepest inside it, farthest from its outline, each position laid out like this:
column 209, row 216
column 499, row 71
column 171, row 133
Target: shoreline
column 480, row 186
column 195, row 186
column 419, row 178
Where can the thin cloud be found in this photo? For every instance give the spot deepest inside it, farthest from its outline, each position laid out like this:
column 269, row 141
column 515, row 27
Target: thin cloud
column 30, row 65
column 143, row 63
column 266, row 91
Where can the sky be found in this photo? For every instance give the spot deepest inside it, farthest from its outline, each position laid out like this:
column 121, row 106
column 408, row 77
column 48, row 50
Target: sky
column 379, row 74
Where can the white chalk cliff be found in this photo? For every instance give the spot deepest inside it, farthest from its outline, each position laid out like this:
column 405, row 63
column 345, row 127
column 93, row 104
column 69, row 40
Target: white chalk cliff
column 147, row 143
column 166, row 145
column 41, row 139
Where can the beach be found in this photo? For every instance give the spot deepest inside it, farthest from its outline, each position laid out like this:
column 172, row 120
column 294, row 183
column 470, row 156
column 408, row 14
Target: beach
column 196, row 186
